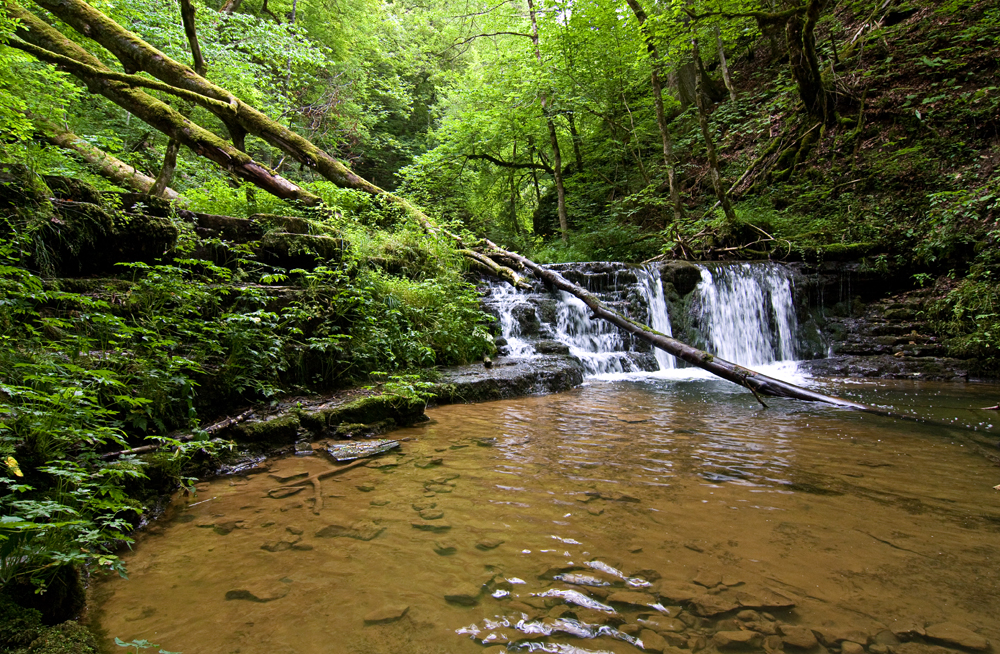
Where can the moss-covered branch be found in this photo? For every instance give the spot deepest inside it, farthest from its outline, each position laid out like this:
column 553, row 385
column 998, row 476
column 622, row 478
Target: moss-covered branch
column 78, row 69
column 155, row 113
column 105, row 164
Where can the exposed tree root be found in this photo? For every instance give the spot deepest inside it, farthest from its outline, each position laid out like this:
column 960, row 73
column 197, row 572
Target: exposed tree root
column 316, row 482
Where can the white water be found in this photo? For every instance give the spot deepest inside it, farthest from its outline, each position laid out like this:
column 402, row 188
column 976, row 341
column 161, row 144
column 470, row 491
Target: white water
column 598, row 343
column 504, row 298
column 747, row 316
column 659, row 316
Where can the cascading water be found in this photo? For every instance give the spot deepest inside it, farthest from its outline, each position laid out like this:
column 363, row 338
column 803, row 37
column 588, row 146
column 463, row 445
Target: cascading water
column 600, row 345
column 506, row 302
column 659, row 316
column 741, row 312
column 746, row 314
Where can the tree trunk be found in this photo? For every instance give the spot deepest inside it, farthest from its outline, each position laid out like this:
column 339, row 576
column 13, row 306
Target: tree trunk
column 577, row 142
column 105, row 164
column 156, row 114
column 800, row 34
column 229, row 6
column 187, row 17
column 553, row 137
column 168, row 167
column 661, row 119
column 723, row 65
column 713, row 159
column 135, row 54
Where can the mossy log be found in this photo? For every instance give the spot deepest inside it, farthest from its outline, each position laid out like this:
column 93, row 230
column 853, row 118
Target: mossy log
column 105, row 164
column 155, row 113
column 137, row 55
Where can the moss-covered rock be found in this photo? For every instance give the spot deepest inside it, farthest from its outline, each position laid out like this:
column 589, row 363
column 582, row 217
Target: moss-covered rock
column 280, row 430
column 19, row 187
column 292, row 224
column 62, row 600
column 683, row 275
column 18, row 625
column 239, row 230
column 67, row 638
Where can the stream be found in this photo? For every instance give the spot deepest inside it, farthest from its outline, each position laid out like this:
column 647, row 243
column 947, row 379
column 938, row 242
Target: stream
column 654, row 508
column 663, row 511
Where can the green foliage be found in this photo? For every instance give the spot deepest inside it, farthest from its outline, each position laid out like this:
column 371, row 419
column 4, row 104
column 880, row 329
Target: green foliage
column 969, row 315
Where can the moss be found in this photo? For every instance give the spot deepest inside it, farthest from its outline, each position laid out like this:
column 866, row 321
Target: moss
column 144, row 238
column 20, row 187
column 370, row 410
column 67, row 188
column 294, row 225
column 62, row 600
column 67, row 638
column 18, row 625
column 281, row 430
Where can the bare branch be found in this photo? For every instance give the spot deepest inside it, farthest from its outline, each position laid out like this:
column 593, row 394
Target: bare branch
column 506, row 164
column 480, row 36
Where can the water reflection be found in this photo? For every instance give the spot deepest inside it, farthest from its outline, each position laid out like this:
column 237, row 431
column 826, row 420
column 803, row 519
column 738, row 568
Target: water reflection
column 682, row 507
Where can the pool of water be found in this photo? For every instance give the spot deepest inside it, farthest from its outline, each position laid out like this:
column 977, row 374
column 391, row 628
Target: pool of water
column 623, row 516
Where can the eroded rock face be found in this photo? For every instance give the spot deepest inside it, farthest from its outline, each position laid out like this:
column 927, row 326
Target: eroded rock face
column 508, row 378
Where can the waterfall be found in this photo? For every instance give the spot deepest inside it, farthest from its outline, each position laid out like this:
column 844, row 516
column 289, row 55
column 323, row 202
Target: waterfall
column 659, row 316
column 507, row 302
column 746, row 314
column 740, row 312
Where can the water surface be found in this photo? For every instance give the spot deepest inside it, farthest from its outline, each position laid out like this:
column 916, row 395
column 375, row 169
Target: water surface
column 681, row 486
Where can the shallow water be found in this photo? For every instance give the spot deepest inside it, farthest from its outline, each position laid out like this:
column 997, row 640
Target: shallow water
column 864, row 523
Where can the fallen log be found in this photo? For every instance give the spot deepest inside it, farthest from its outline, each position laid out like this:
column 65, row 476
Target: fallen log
column 756, row 382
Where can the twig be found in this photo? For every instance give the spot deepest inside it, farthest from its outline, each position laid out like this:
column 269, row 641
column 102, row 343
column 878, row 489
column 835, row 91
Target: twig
column 211, row 429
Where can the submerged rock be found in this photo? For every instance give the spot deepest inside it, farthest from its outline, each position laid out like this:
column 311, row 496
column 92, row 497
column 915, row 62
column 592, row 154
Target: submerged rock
column 489, row 544
column 797, row 637
column 259, row 594
column 361, row 530
column 386, row 614
column 735, row 639
column 466, row 595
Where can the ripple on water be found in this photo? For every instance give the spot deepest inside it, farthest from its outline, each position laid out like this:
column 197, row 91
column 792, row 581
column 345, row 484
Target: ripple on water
column 619, row 513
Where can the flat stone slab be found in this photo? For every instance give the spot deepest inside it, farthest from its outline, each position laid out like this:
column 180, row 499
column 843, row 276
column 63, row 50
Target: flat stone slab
column 885, row 366
column 508, row 377
column 950, row 633
column 386, row 614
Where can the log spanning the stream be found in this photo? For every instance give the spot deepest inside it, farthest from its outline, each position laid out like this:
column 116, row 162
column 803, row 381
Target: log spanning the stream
column 757, row 383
